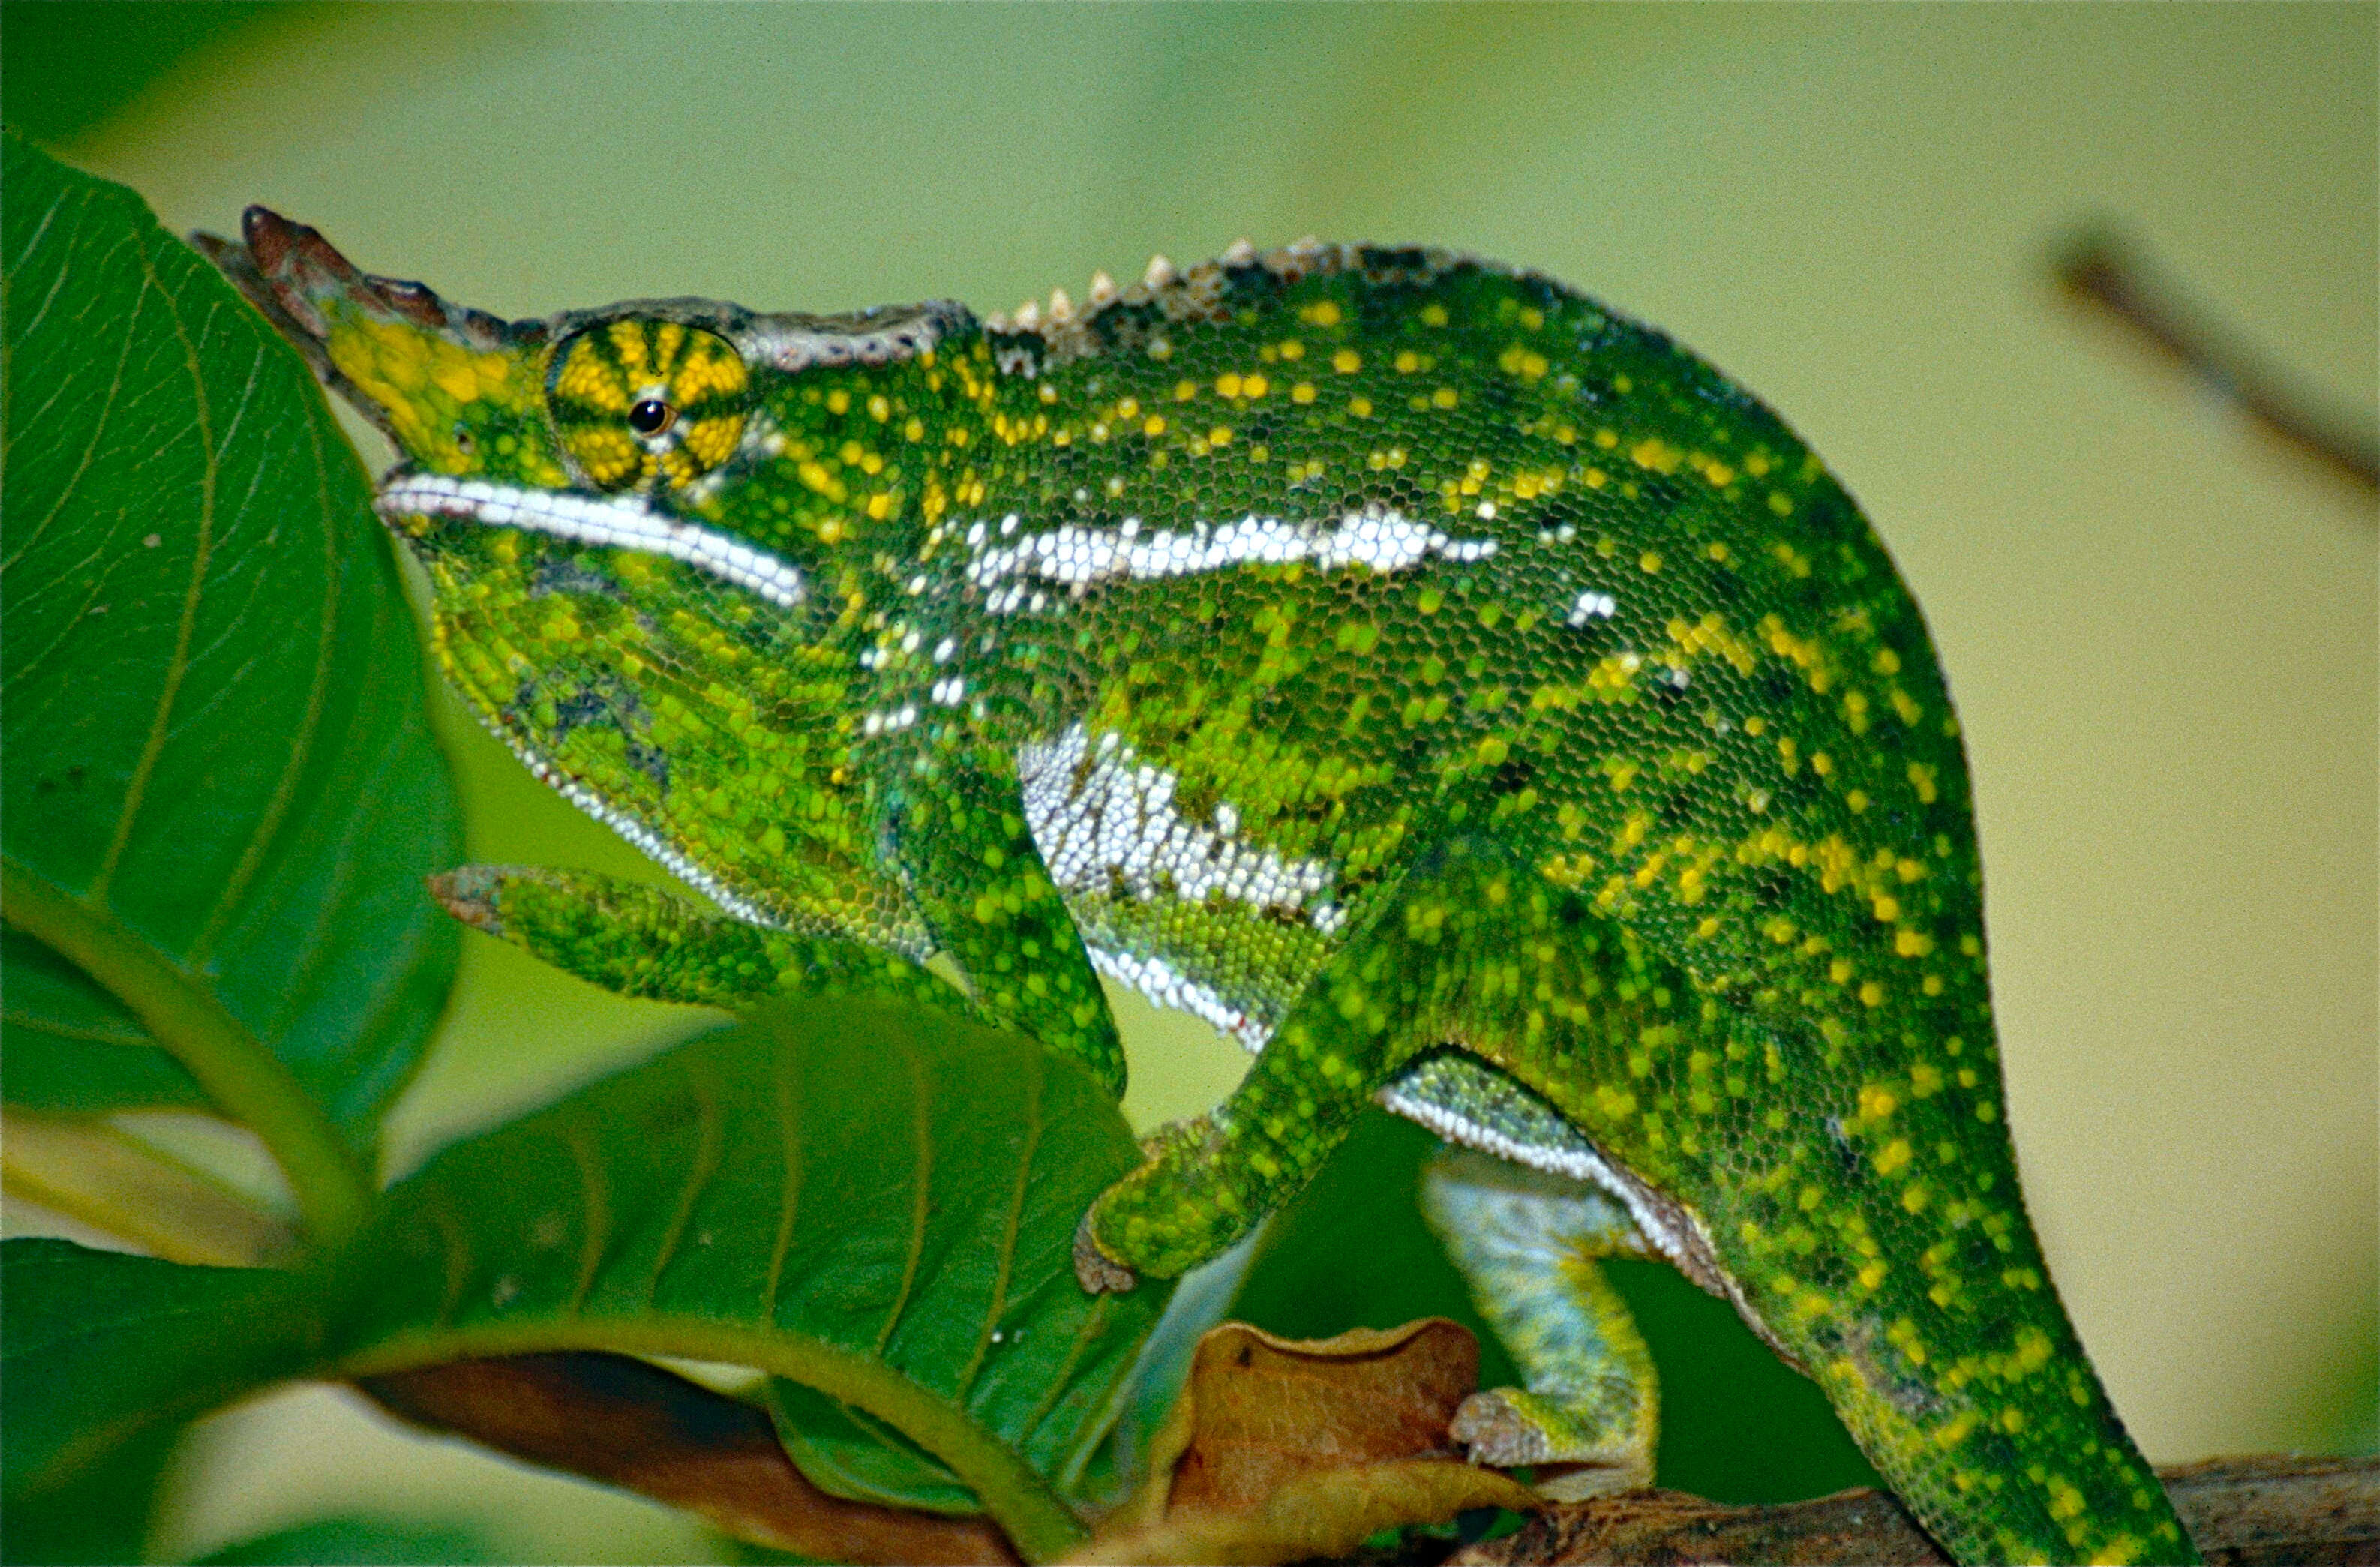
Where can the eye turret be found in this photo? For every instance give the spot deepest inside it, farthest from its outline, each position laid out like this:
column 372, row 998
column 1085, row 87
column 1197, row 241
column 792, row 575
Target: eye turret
column 636, row 399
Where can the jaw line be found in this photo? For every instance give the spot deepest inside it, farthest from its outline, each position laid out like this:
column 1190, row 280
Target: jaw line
column 616, row 522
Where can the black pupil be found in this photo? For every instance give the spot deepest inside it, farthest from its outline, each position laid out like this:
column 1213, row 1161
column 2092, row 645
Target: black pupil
column 649, row 417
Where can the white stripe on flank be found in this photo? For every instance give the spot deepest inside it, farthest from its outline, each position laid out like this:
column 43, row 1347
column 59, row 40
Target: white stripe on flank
column 619, row 522
column 1153, row 978
column 1077, row 556
column 1104, row 816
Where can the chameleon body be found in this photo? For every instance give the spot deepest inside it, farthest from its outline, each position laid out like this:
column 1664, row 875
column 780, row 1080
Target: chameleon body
column 1450, row 686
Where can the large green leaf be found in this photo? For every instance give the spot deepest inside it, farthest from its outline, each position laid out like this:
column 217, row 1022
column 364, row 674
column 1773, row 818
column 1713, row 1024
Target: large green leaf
column 220, row 793
column 878, row 1204
column 103, row 1350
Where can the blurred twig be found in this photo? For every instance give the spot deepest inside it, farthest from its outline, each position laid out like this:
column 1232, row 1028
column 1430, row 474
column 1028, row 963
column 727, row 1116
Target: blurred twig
column 2096, row 267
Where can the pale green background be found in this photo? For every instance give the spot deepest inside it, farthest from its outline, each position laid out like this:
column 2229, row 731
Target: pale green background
column 2161, row 630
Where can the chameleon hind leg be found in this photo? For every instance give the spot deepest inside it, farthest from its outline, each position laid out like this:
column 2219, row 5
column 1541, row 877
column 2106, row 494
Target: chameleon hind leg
column 651, row 942
column 1526, row 1241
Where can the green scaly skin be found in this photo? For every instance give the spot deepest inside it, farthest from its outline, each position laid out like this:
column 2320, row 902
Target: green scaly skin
column 1375, row 651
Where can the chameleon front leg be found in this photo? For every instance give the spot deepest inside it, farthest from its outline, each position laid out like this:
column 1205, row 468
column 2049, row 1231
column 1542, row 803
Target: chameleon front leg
column 1525, row 1242
column 976, row 873
column 1208, row 1181
column 651, row 942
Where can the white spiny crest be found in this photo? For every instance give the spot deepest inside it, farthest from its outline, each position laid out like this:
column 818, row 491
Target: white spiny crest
column 1240, row 254
column 1062, row 309
column 1159, row 274
column 1029, row 316
column 1103, row 289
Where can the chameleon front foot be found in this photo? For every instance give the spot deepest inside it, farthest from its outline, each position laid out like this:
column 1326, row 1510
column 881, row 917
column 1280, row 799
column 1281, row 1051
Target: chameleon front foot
column 1098, row 1274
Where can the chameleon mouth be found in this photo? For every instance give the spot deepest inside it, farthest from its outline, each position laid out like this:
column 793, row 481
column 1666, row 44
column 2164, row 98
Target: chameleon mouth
column 617, row 522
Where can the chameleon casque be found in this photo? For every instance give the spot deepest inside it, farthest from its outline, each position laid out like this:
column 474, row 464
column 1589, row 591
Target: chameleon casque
column 1454, row 690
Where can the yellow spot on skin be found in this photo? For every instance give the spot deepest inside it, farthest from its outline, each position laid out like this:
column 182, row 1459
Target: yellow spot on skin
column 1302, row 393
column 1346, row 361
column 1650, row 560
column 1892, row 1156
column 1322, row 313
column 1872, row 1275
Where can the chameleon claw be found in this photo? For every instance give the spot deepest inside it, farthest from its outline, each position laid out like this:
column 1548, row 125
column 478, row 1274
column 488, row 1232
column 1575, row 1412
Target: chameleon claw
column 468, row 892
column 1098, row 1274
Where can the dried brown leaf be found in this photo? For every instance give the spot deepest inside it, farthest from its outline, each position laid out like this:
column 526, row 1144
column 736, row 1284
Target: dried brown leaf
column 626, row 1423
column 1282, row 1449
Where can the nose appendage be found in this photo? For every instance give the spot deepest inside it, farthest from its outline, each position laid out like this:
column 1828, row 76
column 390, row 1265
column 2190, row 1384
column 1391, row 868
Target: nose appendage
column 457, row 389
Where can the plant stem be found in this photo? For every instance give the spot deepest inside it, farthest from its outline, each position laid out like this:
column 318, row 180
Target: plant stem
column 244, row 1079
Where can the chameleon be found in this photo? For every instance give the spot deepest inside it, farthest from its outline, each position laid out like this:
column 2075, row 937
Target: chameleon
column 1448, row 685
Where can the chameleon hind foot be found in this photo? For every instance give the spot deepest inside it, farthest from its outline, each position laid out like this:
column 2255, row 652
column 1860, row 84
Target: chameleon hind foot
column 1526, row 1241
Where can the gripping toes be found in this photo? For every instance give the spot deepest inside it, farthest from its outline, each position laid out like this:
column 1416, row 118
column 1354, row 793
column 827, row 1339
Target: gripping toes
column 1527, row 1243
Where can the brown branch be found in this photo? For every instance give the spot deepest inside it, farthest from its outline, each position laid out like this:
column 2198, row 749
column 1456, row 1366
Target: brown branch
column 2242, row 1511
column 625, row 1423
column 2096, row 267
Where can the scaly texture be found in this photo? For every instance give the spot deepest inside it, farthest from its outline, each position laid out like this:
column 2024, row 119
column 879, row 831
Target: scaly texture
column 1377, row 653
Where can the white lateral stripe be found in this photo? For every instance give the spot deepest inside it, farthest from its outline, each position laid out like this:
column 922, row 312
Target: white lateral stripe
column 1578, row 1164
column 1075, row 556
column 1111, row 816
column 617, row 522
column 1153, row 978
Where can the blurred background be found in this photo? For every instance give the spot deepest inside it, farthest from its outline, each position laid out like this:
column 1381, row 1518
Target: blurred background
column 2160, row 624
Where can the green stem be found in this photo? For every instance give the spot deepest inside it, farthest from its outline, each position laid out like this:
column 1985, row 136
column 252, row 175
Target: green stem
column 244, row 1079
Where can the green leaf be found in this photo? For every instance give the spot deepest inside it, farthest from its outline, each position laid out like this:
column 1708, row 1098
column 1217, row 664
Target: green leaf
column 358, row 1540
column 219, row 793
column 103, row 1349
column 878, row 1204
column 101, row 1516
column 67, row 1046
column 849, row 1453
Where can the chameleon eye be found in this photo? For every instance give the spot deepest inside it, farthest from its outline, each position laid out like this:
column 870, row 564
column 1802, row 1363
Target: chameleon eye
column 639, row 402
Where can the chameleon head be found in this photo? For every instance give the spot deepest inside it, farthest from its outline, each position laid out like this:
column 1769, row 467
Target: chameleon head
column 632, row 404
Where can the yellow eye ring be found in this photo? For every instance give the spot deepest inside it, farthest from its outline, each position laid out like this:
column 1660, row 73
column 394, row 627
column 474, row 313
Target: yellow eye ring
column 641, row 403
